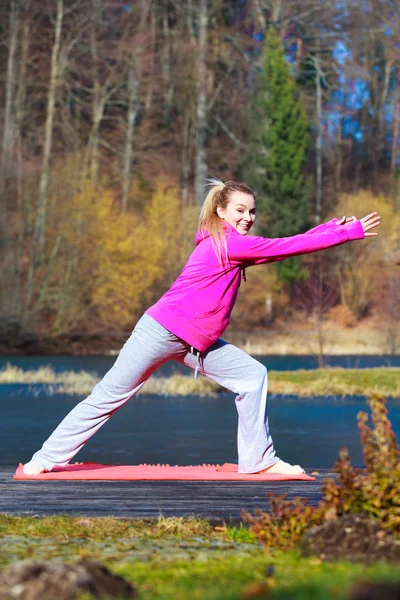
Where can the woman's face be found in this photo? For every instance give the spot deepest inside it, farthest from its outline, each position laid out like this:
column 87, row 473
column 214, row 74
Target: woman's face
column 240, row 212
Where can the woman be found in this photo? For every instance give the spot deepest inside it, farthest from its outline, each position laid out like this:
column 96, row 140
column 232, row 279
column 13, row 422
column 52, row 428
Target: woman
column 186, row 324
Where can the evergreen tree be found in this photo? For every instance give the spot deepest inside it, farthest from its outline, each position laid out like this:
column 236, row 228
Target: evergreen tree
column 279, row 147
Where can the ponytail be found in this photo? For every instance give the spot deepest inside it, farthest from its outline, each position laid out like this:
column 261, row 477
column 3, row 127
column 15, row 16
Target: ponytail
column 209, row 220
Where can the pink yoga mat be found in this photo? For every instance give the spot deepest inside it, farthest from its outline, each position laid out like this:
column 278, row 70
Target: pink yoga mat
column 95, row 471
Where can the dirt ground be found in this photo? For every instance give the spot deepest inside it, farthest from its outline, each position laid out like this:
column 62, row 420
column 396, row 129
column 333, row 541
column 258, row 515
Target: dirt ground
column 354, row 537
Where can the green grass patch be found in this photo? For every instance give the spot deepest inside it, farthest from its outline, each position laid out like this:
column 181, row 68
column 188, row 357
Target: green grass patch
column 337, row 381
column 64, row 527
column 182, row 559
column 318, row 382
column 227, row 578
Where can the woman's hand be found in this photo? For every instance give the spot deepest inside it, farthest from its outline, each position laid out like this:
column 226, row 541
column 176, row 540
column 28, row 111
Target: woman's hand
column 344, row 220
column 369, row 222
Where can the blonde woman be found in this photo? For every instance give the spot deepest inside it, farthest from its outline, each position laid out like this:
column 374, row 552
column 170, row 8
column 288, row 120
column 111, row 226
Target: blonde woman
column 186, row 324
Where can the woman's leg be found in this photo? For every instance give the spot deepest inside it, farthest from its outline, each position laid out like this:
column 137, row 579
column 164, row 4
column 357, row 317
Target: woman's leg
column 149, row 346
column 242, row 374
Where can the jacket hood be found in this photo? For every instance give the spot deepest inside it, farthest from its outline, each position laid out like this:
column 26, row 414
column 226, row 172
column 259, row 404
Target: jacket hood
column 204, row 234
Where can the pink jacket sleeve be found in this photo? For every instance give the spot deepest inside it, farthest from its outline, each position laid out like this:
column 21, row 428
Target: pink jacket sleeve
column 323, row 226
column 255, row 250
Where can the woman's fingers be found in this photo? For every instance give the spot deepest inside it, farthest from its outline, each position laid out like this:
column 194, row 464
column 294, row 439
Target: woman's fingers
column 369, row 222
column 372, row 222
column 344, row 220
column 373, row 215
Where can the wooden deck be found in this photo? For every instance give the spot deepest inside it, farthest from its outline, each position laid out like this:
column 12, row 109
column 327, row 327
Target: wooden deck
column 210, row 499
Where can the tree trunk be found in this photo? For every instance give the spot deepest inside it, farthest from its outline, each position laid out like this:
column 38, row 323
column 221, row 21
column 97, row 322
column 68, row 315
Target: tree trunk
column 318, row 145
column 201, row 121
column 8, row 129
column 133, row 92
column 168, row 87
column 134, row 80
column 150, row 87
column 40, row 229
column 260, row 16
column 189, row 21
column 98, row 100
column 39, row 236
column 276, row 10
column 17, row 297
column 380, row 142
column 187, row 146
column 337, row 167
column 5, row 160
column 395, row 140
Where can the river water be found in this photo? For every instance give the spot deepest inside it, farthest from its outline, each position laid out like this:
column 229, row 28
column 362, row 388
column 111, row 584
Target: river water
column 185, row 430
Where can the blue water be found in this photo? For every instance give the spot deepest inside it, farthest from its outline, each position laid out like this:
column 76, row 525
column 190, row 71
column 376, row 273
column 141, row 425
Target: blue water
column 184, row 430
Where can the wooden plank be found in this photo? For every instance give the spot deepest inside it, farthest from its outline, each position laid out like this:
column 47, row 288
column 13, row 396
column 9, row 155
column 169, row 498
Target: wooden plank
column 210, row 499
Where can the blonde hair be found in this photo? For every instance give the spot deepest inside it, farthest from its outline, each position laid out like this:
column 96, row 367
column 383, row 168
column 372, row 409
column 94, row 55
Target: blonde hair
column 209, row 220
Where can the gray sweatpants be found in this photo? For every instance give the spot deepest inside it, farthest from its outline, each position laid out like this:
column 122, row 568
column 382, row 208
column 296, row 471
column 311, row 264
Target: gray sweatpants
column 149, row 346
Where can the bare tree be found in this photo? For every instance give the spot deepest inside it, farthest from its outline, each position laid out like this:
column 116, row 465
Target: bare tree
column 8, row 129
column 7, row 150
column 55, row 73
column 134, row 81
column 316, row 297
column 201, row 113
column 58, row 62
column 318, row 145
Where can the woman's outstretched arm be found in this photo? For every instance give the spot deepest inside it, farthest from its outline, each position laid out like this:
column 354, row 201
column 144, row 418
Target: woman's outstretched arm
column 258, row 250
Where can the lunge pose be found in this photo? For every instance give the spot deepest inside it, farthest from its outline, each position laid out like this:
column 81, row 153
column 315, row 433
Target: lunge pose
column 186, row 324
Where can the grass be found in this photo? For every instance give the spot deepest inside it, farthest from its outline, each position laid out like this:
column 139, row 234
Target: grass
column 318, row 382
column 183, row 558
column 103, row 527
column 337, row 381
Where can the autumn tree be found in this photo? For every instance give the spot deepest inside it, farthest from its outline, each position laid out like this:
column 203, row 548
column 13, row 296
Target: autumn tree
column 364, row 267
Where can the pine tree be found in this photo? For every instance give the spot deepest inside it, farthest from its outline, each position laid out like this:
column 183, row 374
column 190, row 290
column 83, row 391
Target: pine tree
column 279, row 147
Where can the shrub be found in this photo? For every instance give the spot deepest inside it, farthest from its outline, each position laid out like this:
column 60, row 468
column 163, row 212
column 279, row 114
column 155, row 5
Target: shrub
column 363, row 267
column 342, row 315
column 374, row 491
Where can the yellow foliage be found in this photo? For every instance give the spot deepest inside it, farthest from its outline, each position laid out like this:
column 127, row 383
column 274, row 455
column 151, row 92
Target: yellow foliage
column 362, row 265
column 136, row 257
column 112, row 265
column 171, row 229
column 70, row 280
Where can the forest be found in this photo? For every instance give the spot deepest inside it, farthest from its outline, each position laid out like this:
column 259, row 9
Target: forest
column 115, row 112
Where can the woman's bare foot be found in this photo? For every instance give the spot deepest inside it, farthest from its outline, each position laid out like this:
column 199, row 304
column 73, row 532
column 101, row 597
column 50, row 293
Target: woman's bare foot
column 34, row 468
column 282, row 468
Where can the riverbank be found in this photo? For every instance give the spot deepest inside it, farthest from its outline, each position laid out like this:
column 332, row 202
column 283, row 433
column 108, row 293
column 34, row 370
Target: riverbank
column 297, row 337
column 317, row 382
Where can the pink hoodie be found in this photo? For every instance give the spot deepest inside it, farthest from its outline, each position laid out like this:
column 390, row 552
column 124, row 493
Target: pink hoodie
column 198, row 305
